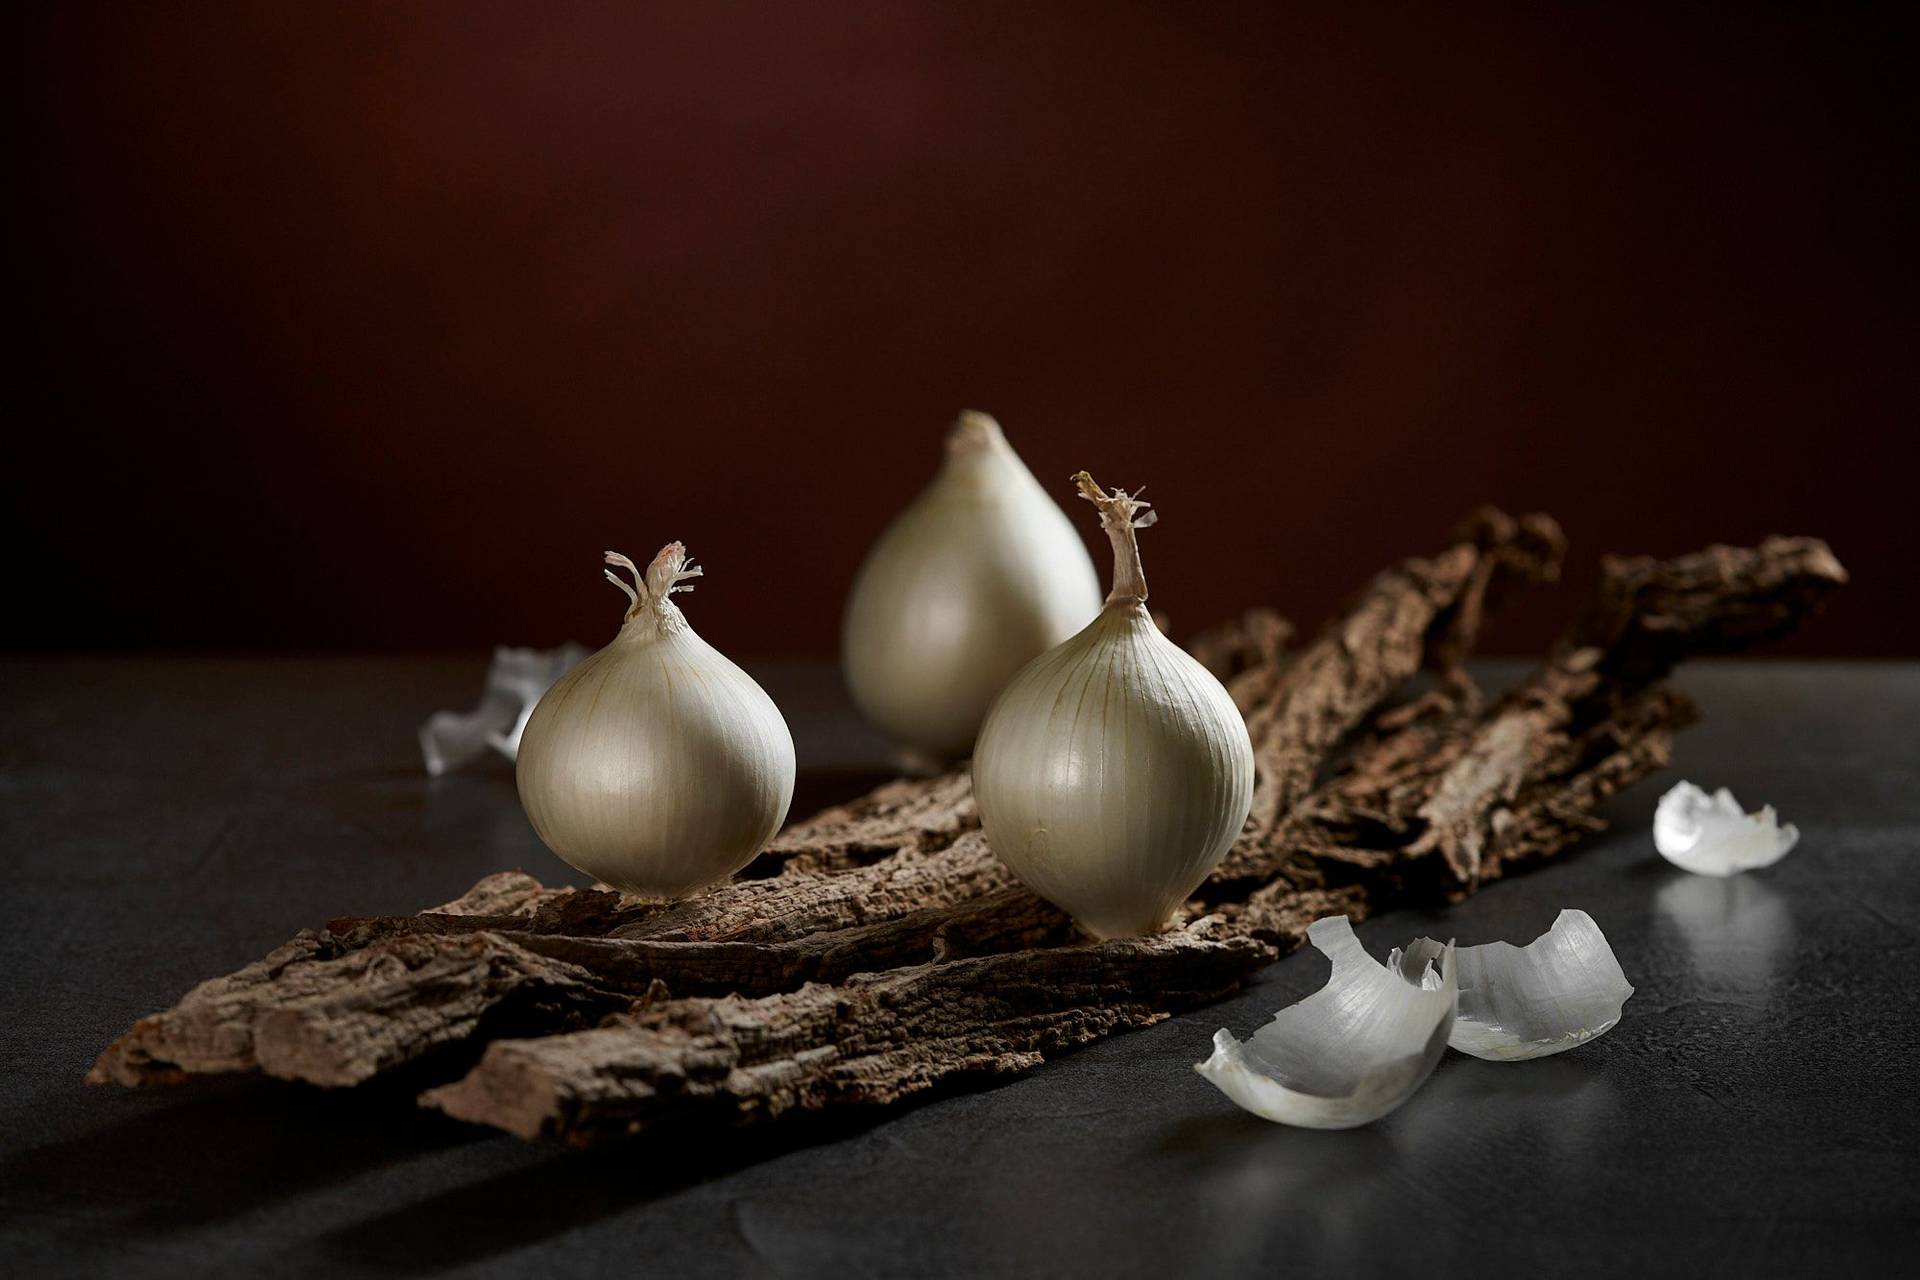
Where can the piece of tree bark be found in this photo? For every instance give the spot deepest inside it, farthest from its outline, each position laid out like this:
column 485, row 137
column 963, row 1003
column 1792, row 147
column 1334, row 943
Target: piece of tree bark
column 380, row 1008
column 212, row 1029
column 883, row 950
column 1413, row 611
column 870, row 1041
column 1443, row 782
column 918, row 813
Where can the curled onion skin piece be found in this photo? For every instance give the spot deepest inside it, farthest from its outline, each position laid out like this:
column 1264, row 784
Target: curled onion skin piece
column 1711, row 835
column 516, row 679
column 1348, row 1054
column 1559, row 991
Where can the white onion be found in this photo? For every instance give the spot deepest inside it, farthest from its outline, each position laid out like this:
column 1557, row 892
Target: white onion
column 981, row 573
column 1114, row 772
column 656, row 766
column 1711, row 835
column 1351, row 1052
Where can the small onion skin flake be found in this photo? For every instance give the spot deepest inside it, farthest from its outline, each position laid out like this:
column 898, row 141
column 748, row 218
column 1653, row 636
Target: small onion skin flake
column 656, row 766
column 1711, row 835
column 516, row 679
column 1348, row 1054
column 1558, row 992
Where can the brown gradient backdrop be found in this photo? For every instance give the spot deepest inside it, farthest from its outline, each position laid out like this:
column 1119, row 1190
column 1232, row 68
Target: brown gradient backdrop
column 369, row 325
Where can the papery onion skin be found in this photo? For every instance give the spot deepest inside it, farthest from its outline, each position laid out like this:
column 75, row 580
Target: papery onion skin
column 1518, row 1003
column 1348, row 1054
column 980, row 574
column 1114, row 772
column 657, row 766
column 1711, row 835
column 516, row 680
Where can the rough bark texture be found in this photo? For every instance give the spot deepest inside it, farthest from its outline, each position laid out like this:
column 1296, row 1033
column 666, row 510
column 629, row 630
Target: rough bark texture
column 881, row 951
column 871, row 1040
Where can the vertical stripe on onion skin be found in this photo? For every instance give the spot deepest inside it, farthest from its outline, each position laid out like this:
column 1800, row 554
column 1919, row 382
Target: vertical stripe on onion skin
column 1114, row 771
column 656, row 766
column 981, row 573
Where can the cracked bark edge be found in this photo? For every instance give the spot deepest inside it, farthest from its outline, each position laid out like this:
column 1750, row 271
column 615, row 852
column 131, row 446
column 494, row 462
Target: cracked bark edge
column 341, row 1020
column 871, row 1041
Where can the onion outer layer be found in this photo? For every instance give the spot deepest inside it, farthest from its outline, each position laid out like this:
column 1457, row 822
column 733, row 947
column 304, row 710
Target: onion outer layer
column 1559, row 991
column 1351, row 1052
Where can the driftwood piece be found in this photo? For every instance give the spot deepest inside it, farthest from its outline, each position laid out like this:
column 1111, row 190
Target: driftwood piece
column 882, row 951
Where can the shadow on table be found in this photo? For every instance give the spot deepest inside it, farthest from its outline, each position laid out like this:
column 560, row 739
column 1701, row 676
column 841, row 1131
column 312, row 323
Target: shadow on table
column 561, row 1191
column 216, row 1150
column 1271, row 1187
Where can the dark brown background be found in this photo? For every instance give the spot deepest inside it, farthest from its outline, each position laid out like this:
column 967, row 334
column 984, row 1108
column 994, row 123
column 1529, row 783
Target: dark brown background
column 368, row 326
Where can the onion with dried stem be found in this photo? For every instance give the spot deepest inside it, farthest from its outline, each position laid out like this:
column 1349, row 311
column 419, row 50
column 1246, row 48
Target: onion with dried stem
column 1114, row 772
column 656, row 766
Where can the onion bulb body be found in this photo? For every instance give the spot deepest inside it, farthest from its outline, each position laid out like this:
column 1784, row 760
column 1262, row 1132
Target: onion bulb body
column 656, row 766
column 979, row 575
column 1114, row 772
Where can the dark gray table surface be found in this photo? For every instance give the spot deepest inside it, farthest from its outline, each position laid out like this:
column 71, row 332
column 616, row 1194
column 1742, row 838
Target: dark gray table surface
column 166, row 820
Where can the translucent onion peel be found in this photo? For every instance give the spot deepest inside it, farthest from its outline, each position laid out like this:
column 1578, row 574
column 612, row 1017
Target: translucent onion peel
column 1560, row 990
column 1351, row 1052
column 1711, row 835
column 515, row 680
